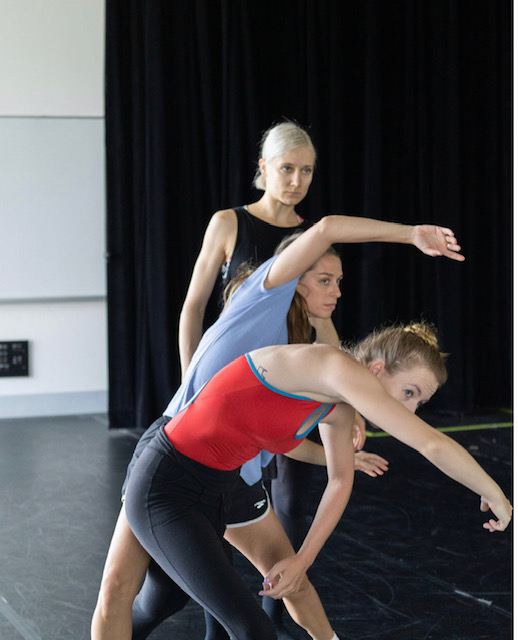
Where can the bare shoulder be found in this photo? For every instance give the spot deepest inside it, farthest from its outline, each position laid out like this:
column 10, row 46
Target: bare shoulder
column 298, row 351
column 224, row 217
column 310, row 370
column 304, row 354
column 221, row 232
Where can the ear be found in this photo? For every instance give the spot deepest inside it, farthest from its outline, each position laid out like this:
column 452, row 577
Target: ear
column 377, row 367
column 301, row 288
column 262, row 166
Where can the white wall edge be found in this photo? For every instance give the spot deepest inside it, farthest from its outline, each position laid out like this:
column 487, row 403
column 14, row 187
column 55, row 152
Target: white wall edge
column 53, row 404
column 55, row 300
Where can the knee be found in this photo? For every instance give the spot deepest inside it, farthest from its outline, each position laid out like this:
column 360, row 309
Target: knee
column 305, row 589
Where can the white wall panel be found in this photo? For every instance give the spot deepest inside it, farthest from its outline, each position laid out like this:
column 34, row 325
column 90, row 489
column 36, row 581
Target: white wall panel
column 52, row 57
column 52, row 208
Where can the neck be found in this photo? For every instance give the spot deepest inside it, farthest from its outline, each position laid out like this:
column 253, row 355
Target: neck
column 273, row 211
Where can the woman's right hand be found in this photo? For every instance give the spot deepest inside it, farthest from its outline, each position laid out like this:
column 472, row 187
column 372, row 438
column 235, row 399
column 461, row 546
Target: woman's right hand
column 501, row 508
column 284, row 578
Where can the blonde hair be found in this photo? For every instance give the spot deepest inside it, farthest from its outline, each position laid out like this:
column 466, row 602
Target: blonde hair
column 278, row 140
column 400, row 347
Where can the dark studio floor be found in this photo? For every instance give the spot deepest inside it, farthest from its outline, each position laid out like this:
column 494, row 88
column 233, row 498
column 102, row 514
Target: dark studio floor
column 408, row 561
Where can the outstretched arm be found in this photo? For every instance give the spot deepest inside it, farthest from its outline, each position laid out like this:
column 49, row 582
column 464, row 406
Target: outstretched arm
column 332, row 376
column 301, row 254
column 362, row 390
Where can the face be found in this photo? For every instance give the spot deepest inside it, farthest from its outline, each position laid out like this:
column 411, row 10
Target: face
column 288, row 176
column 320, row 286
column 412, row 387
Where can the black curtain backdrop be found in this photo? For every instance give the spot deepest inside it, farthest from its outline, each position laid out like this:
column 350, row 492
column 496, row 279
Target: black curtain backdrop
column 409, row 103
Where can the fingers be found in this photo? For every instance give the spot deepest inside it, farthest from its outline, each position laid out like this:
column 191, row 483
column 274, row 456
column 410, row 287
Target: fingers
column 370, row 463
column 437, row 241
column 452, row 246
column 267, row 587
column 275, row 591
column 451, row 253
column 373, row 472
column 494, row 525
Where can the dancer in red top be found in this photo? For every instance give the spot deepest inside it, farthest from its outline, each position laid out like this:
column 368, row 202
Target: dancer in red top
column 237, row 397
column 177, row 506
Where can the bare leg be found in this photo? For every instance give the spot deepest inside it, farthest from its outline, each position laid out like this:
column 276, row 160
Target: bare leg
column 264, row 543
column 124, row 570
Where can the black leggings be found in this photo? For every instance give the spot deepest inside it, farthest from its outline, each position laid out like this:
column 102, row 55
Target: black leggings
column 290, row 492
column 177, row 508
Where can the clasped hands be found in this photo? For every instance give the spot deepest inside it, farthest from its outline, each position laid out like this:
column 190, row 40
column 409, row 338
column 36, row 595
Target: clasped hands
column 284, row 578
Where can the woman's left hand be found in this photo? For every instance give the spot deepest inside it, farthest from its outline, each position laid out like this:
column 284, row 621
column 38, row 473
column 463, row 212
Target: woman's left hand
column 437, row 241
column 284, row 578
column 370, row 463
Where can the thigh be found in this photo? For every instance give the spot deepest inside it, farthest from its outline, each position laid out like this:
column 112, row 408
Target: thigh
column 179, row 519
column 250, row 503
column 191, row 552
column 263, row 542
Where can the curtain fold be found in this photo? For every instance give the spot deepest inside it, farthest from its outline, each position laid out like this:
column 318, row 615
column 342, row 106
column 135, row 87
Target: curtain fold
column 410, row 107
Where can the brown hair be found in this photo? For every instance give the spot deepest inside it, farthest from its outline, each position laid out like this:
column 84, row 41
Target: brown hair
column 402, row 346
column 299, row 328
column 287, row 240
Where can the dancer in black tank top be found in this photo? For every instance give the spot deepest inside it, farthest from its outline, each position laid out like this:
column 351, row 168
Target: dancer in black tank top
column 256, row 241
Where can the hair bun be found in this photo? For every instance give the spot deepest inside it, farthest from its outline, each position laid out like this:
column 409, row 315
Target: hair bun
column 424, row 331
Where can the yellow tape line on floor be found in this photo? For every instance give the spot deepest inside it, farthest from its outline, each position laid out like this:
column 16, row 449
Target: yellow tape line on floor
column 467, row 427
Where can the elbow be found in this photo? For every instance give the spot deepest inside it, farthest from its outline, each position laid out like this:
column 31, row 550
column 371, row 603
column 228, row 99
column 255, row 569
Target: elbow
column 341, row 485
column 325, row 232
column 327, row 227
column 192, row 310
column 434, row 447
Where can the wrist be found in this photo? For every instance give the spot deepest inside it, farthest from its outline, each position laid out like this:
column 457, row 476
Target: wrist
column 413, row 231
column 305, row 558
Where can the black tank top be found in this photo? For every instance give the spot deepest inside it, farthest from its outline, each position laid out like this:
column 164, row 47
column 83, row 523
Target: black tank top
column 256, row 241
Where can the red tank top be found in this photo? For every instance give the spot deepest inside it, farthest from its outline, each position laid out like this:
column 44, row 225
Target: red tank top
column 237, row 414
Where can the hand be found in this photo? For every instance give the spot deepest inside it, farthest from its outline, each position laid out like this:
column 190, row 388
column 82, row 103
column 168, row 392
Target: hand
column 370, row 463
column 437, row 241
column 502, row 511
column 359, row 435
column 284, row 578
